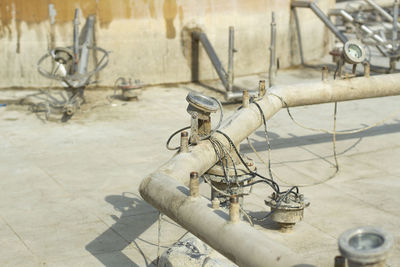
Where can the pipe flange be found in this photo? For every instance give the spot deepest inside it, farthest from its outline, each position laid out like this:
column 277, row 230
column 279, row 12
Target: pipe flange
column 365, row 245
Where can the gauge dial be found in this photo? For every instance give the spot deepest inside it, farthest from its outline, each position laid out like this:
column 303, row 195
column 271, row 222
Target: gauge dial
column 354, row 52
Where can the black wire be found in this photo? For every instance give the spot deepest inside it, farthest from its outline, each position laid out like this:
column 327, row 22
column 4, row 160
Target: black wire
column 266, row 137
column 172, row 136
column 270, row 182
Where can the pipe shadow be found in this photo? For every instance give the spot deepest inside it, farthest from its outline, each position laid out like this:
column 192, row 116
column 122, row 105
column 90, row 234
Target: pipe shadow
column 294, row 141
column 136, row 217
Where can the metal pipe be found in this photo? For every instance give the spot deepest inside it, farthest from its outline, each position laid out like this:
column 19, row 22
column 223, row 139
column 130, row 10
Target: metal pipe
column 76, row 40
column 202, row 37
column 87, row 41
column 395, row 24
column 165, row 189
column 230, row 57
column 322, row 17
column 382, row 11
column 299, row 40
column 272, row 53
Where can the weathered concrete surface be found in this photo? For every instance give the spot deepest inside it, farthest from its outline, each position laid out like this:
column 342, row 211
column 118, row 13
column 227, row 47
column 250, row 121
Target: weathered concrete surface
column 69, row 192
column 149, row 39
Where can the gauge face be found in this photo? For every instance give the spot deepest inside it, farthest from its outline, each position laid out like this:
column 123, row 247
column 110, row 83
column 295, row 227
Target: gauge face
column 354, row 52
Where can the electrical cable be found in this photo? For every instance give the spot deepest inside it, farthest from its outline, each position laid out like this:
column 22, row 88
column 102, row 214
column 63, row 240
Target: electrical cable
column 172, row 136
column 390, row 116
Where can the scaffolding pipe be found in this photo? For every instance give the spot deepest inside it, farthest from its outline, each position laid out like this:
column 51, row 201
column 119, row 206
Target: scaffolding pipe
column 231, row 51
column 202, row 37
column 381, row 11
column 166, row 189
column 322, row 17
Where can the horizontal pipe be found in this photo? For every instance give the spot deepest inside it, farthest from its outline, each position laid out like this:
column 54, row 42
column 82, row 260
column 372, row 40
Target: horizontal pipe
column 166, row 189
column 195, row 215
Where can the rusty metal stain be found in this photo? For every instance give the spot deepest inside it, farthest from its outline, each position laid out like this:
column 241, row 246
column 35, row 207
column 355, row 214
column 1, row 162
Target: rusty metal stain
column 152, row 9
column 170, row 10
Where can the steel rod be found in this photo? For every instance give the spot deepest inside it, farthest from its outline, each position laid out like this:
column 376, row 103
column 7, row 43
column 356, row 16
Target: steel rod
column 202, row 37
column 230, row 57
column 76, row 40
column 272, row 53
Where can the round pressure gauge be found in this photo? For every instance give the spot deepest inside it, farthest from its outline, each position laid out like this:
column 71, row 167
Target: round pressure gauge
column 202, row 102
column 353, row 52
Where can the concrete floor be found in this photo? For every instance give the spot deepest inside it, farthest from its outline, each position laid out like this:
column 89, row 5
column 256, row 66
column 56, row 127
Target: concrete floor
column 69, row 191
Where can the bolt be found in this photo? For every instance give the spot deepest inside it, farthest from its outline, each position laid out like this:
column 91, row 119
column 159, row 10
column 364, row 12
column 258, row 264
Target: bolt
column 184, row 142
column 261, row 88
column 245, row 99
column 366, row 69
column 234, row 209
column 324, row 73
column 194, row 184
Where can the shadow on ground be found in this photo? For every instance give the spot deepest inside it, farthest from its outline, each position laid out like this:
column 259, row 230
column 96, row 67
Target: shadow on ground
column 294, row 141
column 136, row 217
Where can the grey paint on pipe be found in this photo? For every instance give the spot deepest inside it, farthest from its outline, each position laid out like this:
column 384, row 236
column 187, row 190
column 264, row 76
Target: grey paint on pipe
column 166, row 189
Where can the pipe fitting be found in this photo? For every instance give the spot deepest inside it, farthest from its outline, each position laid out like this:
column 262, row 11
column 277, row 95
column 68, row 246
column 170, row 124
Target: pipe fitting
column 184, row 148
column 194, row 184
column 234, row 208
column 261, row 88
column 246, row 99
column 367, row 69
column 324, row 73
column 365, row 246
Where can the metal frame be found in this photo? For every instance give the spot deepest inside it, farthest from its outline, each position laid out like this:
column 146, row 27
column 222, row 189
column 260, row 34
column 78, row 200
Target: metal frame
column 233, row 92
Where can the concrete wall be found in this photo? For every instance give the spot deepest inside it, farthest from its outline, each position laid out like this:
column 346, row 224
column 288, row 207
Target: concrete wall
column 149, row 39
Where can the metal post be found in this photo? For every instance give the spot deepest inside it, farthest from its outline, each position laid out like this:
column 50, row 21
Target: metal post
column 272, row 53
column 76, row 40
column 184, row 148
column 86, row 39
column 230, row 57
column 296, row 19
column 395, row 26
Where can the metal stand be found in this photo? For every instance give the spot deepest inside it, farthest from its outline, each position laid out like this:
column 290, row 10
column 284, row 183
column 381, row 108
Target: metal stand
column 232, row 92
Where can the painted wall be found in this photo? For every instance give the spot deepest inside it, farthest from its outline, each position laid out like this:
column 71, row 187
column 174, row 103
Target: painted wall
column 149, row 39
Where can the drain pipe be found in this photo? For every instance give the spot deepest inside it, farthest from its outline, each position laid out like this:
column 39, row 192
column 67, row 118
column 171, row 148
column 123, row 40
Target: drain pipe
column 166, row 189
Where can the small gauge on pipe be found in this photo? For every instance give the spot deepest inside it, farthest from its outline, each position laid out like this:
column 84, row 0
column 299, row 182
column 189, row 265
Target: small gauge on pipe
column 354, row 52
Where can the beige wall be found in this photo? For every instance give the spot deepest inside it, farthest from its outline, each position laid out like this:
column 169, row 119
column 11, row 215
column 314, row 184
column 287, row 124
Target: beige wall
column 147, row 37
